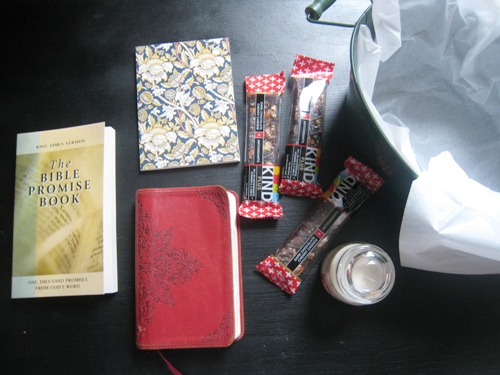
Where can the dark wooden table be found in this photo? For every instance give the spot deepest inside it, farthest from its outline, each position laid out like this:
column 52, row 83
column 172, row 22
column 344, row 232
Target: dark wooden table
column 68, row 63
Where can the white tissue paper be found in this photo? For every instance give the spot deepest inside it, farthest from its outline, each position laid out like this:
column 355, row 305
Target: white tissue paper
column 369, row 58
column 451, row 223
column 432, row 81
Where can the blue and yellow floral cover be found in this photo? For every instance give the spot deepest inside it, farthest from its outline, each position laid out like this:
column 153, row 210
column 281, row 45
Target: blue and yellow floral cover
column 185, row 104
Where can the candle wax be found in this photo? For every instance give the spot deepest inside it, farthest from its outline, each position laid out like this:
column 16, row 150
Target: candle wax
column 367, row 275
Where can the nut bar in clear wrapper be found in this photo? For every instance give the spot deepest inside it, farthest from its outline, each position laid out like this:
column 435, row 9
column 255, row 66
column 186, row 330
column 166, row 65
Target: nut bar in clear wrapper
column 291, row 262
column 262, row 172
column 299, row 175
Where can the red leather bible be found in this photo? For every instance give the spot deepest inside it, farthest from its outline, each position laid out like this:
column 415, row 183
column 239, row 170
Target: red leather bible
column 188, row 268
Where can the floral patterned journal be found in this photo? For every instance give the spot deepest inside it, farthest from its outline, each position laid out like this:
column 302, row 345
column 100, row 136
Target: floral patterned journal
column 185, row 104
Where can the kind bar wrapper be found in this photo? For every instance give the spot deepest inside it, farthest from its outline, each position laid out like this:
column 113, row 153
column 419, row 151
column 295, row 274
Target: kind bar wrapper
column 311, row 78
column 291, row 262
column 262, row 171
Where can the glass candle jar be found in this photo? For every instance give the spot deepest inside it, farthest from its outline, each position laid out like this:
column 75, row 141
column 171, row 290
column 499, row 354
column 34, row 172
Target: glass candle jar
column 358, row 273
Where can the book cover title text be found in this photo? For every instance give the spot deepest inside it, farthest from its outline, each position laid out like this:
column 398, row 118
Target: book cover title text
column 61, row 185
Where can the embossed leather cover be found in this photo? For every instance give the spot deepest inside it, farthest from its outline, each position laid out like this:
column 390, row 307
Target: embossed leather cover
column 188, row 269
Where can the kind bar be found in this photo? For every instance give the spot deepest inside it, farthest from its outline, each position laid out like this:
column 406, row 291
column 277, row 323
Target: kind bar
column 311, row 78
column 262, row 171
column 288, row 267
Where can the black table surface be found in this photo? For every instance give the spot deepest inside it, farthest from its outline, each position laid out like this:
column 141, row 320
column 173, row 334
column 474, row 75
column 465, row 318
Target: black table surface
column 68, row 63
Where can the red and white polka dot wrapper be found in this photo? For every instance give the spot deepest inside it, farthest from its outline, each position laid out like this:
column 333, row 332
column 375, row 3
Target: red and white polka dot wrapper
column 299, row 175
column 291, row 262
column 262, row 172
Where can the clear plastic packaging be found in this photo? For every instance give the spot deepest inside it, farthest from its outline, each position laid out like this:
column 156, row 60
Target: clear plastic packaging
column 299, row 176
column 262, row 172
column 294, row 259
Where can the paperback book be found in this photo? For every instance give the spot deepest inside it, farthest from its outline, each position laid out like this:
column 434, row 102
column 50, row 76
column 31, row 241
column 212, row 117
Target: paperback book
column 64, row 240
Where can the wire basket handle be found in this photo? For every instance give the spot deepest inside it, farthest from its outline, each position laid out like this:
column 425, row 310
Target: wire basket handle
column 316, row 9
